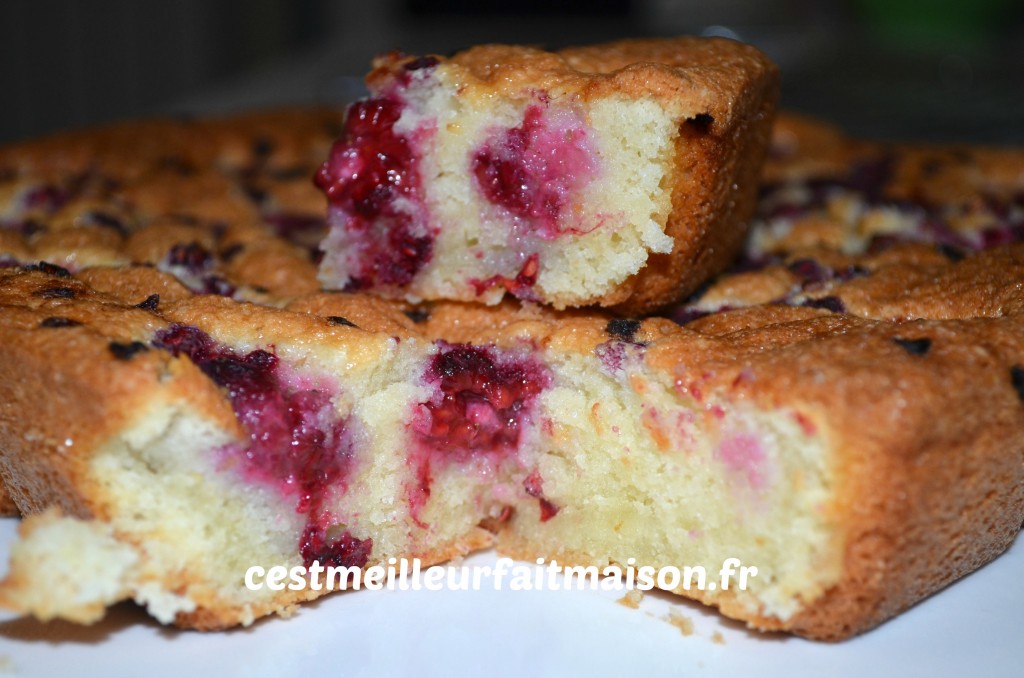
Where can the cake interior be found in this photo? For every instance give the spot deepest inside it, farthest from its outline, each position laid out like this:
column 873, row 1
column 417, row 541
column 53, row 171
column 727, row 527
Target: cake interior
column 437, row 191
column 585, row 457
column 655, row 473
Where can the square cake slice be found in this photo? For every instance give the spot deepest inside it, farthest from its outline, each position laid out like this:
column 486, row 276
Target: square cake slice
column 619, row 175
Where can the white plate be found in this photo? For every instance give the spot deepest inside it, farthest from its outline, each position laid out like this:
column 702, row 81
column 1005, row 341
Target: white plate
column 971, row 628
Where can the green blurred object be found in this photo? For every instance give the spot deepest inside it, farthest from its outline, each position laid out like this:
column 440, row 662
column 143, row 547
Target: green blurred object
column 934, row 23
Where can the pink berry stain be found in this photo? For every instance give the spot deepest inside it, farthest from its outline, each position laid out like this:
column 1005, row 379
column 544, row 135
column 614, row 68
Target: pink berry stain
column 744, row 458
column 534, row 486
column 297, row 443
column 482, row 399
column 521, row 286
column 379, row 235
column 535, row 170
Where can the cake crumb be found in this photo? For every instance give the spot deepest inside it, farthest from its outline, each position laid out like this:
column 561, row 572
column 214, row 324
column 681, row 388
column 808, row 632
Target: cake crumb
column 717, row 638
column 681, row 622
column 631, row 599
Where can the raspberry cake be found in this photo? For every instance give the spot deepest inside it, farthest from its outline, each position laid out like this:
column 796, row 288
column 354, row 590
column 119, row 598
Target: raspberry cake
column 215, row 433
column 871, row 229
column 619, row 175
column 164, row 436
column 226, row 205
column 196, row 439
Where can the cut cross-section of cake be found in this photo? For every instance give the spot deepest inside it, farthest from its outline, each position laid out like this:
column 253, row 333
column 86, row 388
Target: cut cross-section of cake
column 799, row 441
column 619, row 175
column 188, row 444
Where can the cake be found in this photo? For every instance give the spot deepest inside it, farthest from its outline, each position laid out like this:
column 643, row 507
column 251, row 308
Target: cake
column 226, row 204
column 207, row 435
column 168, row 420
column 621, row 175
column 870, row 228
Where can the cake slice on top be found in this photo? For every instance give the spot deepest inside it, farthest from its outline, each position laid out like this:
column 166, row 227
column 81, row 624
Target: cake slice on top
column 619, row 175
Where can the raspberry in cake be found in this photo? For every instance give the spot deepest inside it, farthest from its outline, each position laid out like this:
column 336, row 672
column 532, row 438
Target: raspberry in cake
column 619, row 175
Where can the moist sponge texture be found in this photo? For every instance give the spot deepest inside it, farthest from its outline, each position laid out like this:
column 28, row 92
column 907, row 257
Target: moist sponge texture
column 512, row 171
column 622, row 212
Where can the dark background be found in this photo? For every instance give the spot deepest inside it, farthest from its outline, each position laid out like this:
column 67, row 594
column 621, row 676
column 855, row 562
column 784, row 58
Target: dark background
column 945, row 70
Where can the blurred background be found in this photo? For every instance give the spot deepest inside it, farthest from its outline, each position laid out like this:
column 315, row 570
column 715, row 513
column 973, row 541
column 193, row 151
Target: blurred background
column 940, row 70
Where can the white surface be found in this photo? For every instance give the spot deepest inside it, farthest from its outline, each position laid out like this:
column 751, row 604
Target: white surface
column 971, row 628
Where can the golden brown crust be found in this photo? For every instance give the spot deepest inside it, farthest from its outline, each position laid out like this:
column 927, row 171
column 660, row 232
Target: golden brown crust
column 707, row 227
column 717, row 163
column 238, row 188
column 66, row 392
column 690, row 76
column 8, row 507
column 281, row 138
column 805, row 147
